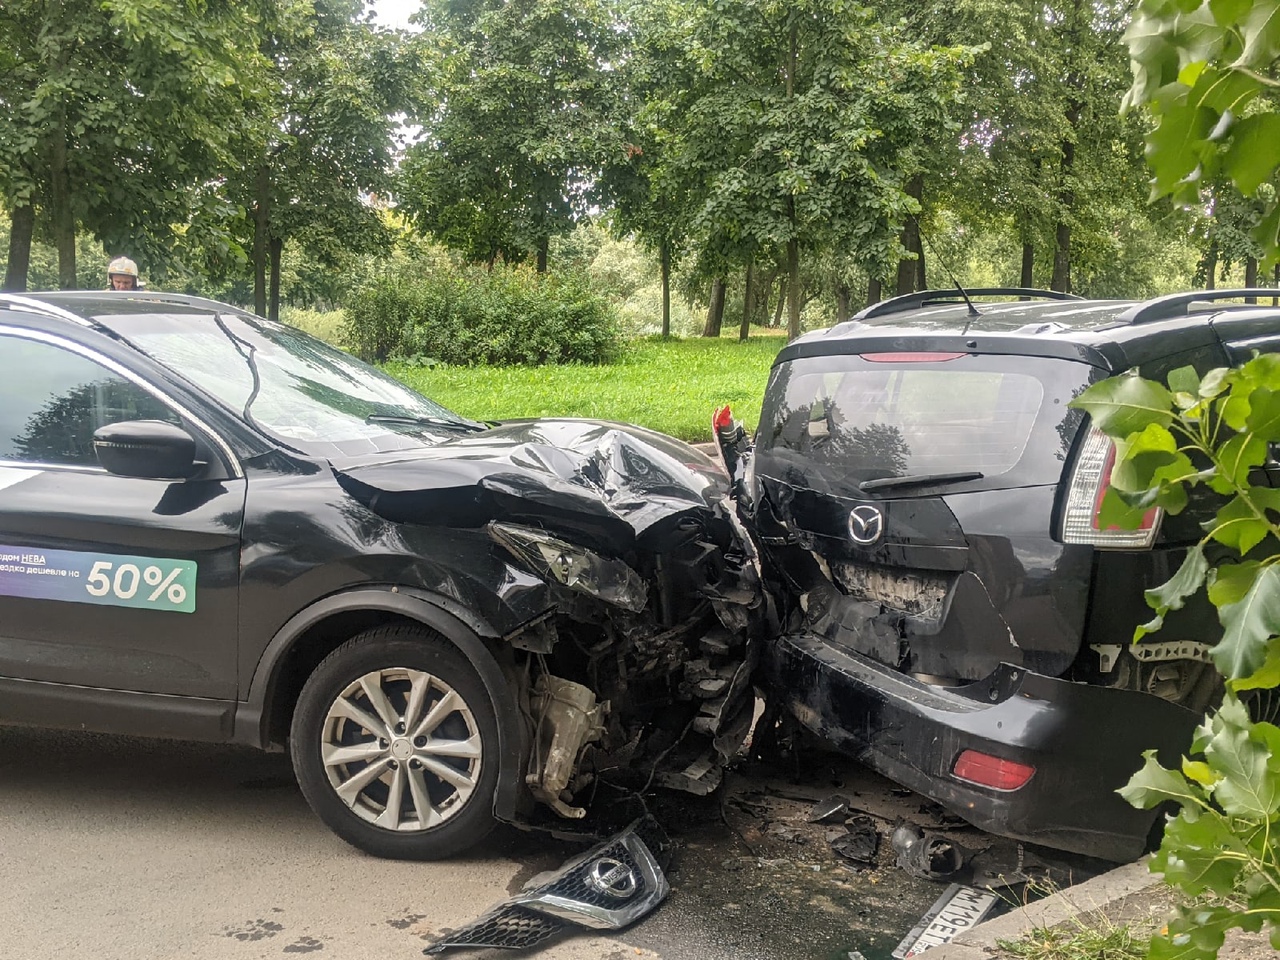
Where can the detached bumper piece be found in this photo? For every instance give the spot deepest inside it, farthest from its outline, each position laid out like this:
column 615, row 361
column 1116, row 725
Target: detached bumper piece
column 608, row 888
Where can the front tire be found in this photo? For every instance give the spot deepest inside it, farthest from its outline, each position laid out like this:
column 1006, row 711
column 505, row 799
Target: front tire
column 394, row 743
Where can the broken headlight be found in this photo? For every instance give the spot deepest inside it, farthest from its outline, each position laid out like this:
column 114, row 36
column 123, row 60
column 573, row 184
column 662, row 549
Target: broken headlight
column 573, row 566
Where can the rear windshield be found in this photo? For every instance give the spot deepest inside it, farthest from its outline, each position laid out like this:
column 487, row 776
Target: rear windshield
column 848, row 419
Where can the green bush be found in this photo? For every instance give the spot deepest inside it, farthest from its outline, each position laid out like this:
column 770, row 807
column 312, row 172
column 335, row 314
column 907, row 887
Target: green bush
column 328, row 325
column 507, row 316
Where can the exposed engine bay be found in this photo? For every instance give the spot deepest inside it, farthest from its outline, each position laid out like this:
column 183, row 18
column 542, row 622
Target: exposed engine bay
column 641, row 675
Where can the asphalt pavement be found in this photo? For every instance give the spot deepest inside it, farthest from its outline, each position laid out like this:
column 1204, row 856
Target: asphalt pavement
column 149, row 850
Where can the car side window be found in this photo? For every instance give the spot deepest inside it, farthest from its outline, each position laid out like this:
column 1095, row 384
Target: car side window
column 52, row 400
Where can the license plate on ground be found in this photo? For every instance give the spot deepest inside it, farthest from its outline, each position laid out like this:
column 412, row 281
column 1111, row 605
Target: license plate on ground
column 959, row 909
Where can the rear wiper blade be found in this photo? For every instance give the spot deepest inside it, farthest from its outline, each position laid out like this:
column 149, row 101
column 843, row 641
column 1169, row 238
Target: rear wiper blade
column 465, row 425
column 920, row 480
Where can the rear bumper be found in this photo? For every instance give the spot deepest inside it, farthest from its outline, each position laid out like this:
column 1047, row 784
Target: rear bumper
column 1084, row 741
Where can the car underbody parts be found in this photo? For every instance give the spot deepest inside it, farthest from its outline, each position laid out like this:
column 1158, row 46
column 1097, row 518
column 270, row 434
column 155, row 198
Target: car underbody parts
column 640, row 674
column 568, row 717
column 608, row 888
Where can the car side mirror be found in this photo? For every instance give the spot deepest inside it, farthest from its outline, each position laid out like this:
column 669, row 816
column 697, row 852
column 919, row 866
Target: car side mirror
column 147, row 449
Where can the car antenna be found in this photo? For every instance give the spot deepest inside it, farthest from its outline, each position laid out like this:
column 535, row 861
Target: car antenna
column 973, row 311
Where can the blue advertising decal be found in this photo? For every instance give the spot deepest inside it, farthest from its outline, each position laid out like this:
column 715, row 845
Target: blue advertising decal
column 148, row 583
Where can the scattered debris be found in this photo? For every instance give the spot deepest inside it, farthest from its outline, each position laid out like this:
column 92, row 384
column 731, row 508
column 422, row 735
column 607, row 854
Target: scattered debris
column 860, row 843
column 834, row 809
column 609, row 887
column 927, row 854
column 786, row 833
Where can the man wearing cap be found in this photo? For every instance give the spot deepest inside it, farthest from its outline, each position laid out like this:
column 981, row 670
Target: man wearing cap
column 123, row 274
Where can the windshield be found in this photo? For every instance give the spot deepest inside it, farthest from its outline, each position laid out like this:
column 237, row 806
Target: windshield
column 298, row 389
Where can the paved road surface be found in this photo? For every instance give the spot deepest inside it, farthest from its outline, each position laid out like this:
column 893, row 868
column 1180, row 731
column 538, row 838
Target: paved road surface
column 130, row 849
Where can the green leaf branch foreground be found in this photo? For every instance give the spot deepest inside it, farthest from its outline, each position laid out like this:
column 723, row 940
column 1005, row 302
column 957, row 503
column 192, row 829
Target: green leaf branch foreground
column 1207, row 72
column 1212, row 433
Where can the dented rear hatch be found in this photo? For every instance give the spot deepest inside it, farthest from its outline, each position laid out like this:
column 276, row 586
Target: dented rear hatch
column 909, row 500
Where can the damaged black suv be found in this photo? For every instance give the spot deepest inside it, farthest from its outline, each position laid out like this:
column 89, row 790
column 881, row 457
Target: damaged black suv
column 953, row 613
column 214, row 527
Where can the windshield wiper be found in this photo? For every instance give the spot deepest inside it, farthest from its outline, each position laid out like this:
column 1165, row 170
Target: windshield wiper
column 920, row 480
column 466, row 426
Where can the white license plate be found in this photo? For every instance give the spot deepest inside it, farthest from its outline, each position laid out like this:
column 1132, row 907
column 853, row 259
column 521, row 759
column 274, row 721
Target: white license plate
column 959, row 909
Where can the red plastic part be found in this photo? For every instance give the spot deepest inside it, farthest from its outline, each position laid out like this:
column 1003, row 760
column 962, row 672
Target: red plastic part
column 723, row 417
column 910, row 357
column 988, row 771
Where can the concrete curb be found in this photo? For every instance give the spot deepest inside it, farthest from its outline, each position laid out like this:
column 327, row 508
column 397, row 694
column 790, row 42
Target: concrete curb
column 980, row 942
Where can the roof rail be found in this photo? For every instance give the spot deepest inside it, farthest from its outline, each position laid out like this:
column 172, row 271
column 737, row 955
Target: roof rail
column 1178, row 304
column 31, row 305
column 923, row 298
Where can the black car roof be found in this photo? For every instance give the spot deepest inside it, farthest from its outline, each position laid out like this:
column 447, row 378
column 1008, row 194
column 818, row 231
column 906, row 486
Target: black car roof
column 1115, row 334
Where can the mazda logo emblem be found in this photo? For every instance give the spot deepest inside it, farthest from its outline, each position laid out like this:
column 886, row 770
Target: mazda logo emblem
column 866, row 525
column 612, row 878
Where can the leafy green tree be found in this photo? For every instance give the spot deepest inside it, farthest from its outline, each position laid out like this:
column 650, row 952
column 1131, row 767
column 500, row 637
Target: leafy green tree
column 316, row 164
column 648, row 195
column 521, row 116
column 791, row 134
column 1212, row 432
column 1208, row 72
column 111, row 112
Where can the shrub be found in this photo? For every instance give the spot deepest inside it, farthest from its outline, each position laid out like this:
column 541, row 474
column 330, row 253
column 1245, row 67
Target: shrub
column 507, row 316
column 328, row 325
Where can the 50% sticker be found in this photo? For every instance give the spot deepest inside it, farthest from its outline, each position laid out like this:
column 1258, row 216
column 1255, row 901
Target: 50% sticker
column 128, row 578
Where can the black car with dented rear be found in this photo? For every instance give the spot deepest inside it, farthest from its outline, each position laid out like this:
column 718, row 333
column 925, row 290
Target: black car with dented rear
column 215, row 527
column 953, row 614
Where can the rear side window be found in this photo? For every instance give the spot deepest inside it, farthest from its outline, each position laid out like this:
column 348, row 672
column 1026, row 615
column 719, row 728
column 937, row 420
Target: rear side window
column 862, row 419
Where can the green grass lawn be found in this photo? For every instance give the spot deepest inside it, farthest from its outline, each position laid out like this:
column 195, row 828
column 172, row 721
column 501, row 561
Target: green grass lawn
column 673, row 386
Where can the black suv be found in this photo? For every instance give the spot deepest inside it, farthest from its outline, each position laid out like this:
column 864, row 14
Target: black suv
column 954, row 615
column 214, row 527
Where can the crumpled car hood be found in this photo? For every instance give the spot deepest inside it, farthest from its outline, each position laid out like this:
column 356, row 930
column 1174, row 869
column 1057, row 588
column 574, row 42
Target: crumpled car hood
column 607, row 482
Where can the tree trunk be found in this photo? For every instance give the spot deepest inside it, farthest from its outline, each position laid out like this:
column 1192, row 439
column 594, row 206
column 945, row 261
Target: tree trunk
column 793, row 244
column 1251, row 276
column 261, row 238
column 793, row 289
column 844, row 302
column 22, row 226
column 715, row 309
column 875, row 290
column 911, row 271
column 1028, row 266
column 664, row 255
column 277, row 248
column 64, row 224
column 1211, row 264
column 748, row 300
column 544, row 245
column 1066, row 204
column 1061, row 279
column 782, row 302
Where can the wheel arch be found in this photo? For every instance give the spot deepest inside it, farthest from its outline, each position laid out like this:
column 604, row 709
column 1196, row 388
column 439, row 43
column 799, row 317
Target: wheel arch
column 263, row 718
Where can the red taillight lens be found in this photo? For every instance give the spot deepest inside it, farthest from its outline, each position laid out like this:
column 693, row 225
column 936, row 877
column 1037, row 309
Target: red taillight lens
column 1090, row 477
column 988, row 771
column 910, row 357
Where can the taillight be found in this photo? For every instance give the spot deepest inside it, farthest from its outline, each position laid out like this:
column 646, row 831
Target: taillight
column 988, row 771
column 1090, row 478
